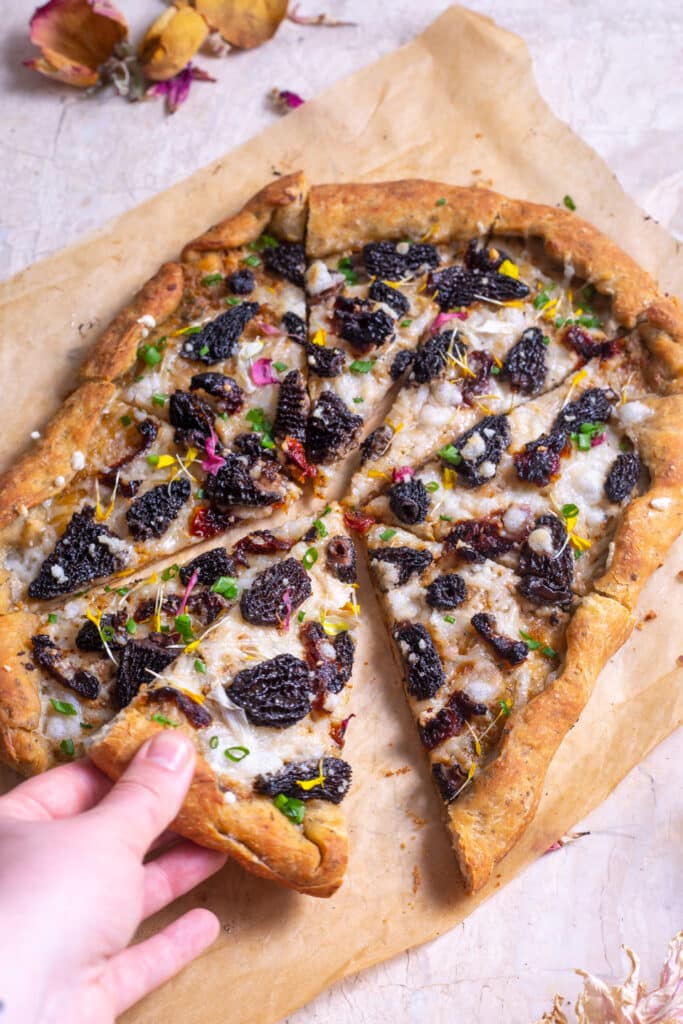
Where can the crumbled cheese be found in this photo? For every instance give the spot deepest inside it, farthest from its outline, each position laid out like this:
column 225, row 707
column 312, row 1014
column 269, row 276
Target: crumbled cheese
column 541, row 541
column 58, row 573
column 474, row 448
column 319, row 278
column 229, row 797
column 515, row 519
column 115, row 544
column 59, row 481
column 633, row 412
column 35, row 434
column 77, row 461
column 487, row 470
column 660, row 503
column 147, row 320
column 402, row 248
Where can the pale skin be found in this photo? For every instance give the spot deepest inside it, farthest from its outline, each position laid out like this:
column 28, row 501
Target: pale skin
column 74, row 888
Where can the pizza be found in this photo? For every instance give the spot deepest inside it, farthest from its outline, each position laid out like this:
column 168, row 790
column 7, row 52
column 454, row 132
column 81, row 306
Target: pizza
column 490, row 387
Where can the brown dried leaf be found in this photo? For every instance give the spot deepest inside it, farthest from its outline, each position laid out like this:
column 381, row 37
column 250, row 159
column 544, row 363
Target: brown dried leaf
column 244, row 23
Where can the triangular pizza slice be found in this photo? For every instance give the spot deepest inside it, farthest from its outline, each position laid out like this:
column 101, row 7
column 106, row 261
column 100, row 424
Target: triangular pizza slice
column 249, row 650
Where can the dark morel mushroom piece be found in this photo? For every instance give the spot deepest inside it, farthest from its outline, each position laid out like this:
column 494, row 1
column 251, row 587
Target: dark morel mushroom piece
column 332, row 429
column 539, row 460
column 293, row 407
column 192, row 417
column 424, row 671
column 295, row 327
column 406, row 562
column 276, row 593
column 51, row 658
column 391, row 262
column 476, row 382
column 331, row 774
column 512, row 651
column 477, row 539
column 593, row 406
column 141, row 661
column 209, row 566
column 483, row 258
column 446, row 591
column 376, row 444
column 325, row 361
column 152, row 513
column 340, row 558
column 390, row 296
column 288, row 260
column 241, row 282
column 401, row 362
column 432, row 356
column 196, row 714
column 218, row 339
column 330, row 660
column 481, row 449
column 449, row 779
column 546, row 563
column 409, row 501
column 356, row 321
column 276, row 693
column 233, row 485
column 525, row 364
column 450, row 719
column 456, row 286
column 623, row 476
column 86, row 551
column 227, row 392
column 112, row 627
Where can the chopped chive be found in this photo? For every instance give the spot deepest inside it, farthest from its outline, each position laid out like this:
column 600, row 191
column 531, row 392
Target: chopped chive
column 169, row 573
column 267, row 441
column 387, row 534
column 446, row 519
column 204, row 350
column 236, row 753
column 505, row 707
column 226, row 586
column 548, row 651
column 301, row 616
column 232, row 300
column 320, row 527
column 183, row 625
column 546, row 339
column 162, row 720
column 200, row 666
column 213, row 742
column 441, row 202
column 86, row 725
column 131, row 627
column 345, row 266
column 449, row 619
column 67, row 747
column 541, row 300
column 62, row 706
column 495, row 370
column 432, row 486
column 450, row 454
column 310, row 558
column 200, row 493
column 126, row 421
column 253, row 261
column 149, row 354
column 212, row 279
column 406, row 323
column 122, row 591
column 52, row 618
column 361, row 365
column 569, row 511
column 569, row 203
column 280, row 367
column 532, row 644
column 358, row 400
column 291, row 807
column 153, row 460
column 159, row 399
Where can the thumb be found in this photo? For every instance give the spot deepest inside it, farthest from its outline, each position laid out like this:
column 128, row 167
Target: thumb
column 149, row 794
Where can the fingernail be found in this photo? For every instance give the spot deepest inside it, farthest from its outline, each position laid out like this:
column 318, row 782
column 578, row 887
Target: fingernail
column 169, row 751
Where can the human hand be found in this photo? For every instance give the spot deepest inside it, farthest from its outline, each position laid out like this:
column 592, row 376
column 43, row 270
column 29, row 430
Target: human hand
column 73, row 887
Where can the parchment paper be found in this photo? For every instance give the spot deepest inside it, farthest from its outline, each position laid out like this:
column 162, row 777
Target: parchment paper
column 458, row 104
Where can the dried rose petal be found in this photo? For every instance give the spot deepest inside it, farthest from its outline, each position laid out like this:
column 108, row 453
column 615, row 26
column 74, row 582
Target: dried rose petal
column 75, row 37
column 243, row 23
column 213, row 461
column 262, row 373
column 171, row 42
column 191, row 584
column 176, row 90
column 285, row 99
column 402, row 473
column 444, row 318
column 315, row 19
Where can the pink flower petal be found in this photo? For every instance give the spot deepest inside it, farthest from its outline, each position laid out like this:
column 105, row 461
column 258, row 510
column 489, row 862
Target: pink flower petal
column 191, row 584
column 262, row 373
column 287, row 602
column 444, row 318
column 599, row 439
column 213, row 461
column 268, row 329
column 402, row 473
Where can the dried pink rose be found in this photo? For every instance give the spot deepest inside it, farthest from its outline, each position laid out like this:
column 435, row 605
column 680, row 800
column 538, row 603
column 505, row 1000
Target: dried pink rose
column 176, row 89
column 75, row 38
column 285, row 99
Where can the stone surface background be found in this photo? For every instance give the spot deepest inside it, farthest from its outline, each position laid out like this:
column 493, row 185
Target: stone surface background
column 612, row 69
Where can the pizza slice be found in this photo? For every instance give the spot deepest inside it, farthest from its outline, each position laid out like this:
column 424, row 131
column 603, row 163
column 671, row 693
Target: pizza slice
column 249, row 650
column 507, row 591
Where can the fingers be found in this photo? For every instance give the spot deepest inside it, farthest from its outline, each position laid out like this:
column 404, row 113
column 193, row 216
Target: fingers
column 136, row 971
column 148, row 795
column 59, row 793
column 174, row 873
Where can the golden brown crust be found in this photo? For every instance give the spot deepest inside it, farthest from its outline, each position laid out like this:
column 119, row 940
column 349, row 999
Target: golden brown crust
column 22, row 745
column 343, row 217
column 487, row 818
column 32, row 479
column 311, row 860
column 116, row 349
column 280, row 206
column 652, row 522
